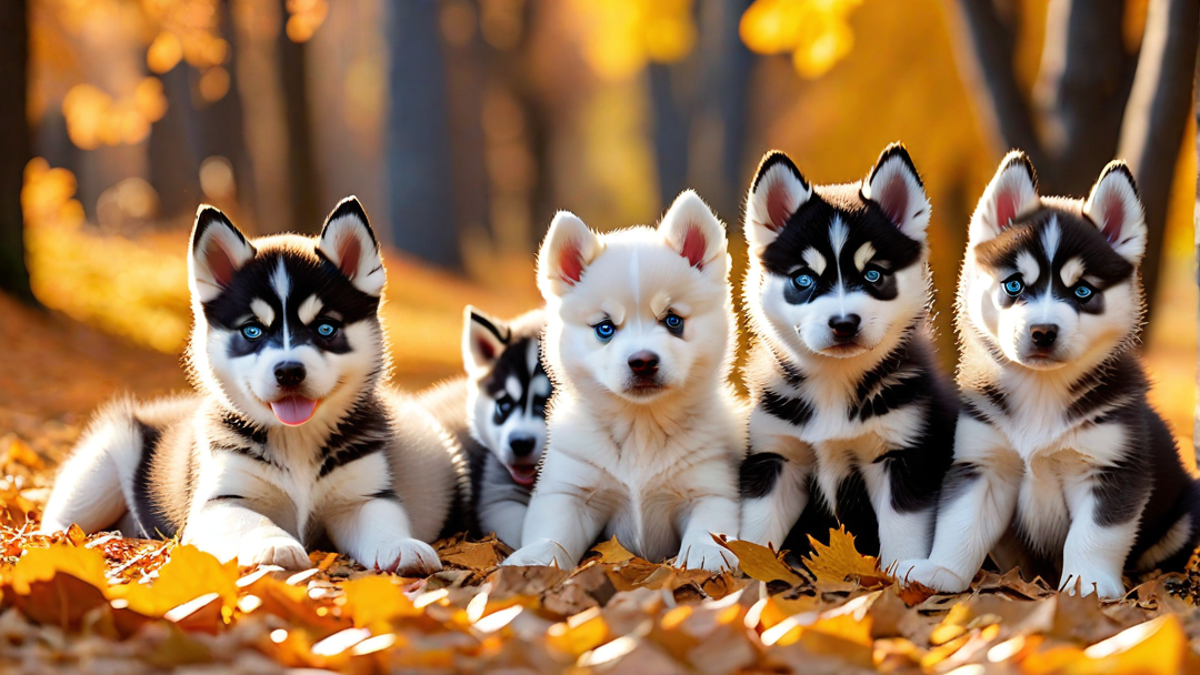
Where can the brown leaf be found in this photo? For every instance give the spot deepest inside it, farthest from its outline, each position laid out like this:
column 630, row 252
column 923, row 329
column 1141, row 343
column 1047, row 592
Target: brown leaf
column 840, row 561
column 374, row 599
column 612, row 552
column 189, row 574
column 62, row 600
column 761, row 563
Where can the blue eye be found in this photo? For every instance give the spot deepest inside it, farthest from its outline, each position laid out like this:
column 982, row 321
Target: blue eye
column 803, row 281
column 326, row 329
column 605, row 330
column 674, row 324
column 1014, row 287
column 1083, row 291
column 872, row 276
column 252, row 331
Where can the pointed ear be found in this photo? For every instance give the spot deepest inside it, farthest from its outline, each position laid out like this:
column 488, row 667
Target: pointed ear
column 484, row 338
column 567, row 250
column 217, row 251
column 777, row 192
column 1115, row 207
column 1012, row 192
column 896, row 187
column 691, row 228
column 348, row 242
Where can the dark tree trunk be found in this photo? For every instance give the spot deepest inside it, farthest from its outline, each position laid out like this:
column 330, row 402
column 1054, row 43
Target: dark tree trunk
column 672, row 128
column 466, row 80
column 223, row 128
column 174, row 169
column 15, row 149
column 303, row 183
column 1196, row 239
column 419, row 164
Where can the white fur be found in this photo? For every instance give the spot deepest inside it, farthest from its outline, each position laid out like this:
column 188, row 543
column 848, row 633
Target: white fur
column 1013, row 188
column 1114, row 203
column 779, row 185
column 657, row 470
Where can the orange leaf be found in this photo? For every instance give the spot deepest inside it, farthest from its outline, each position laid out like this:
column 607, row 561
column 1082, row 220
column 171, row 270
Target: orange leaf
column 376, row 598
column 612, row 552
column 41, row 564
column 761, row 563
column 190, row 574
column 840, row 561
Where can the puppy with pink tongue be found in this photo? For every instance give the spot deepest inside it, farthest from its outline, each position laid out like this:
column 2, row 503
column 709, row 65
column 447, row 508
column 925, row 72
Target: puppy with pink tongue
column 292, row 434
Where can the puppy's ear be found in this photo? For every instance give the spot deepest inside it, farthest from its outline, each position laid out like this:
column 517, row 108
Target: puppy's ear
column 776, row 193
column 567, row 250
column 1115, row 207
column 484, row 338
column 348, row 242
column 1012, row 192
column 217, row 251
column 896, row 187
column 691, row 228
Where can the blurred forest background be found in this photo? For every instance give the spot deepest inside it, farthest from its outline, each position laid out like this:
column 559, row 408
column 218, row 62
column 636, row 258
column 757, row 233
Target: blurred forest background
column 464, row 124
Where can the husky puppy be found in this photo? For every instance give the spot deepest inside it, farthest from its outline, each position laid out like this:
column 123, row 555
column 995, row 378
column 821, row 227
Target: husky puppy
column 292, row 434
column 645, row 433
column 852, row 420
column 1056, row 428
column 497, row 411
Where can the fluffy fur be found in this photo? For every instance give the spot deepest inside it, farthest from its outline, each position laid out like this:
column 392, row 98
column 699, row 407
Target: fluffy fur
column 1056, row 437
column 852, row 421
column 291, row 435
column 645, row 433
column 497, row 411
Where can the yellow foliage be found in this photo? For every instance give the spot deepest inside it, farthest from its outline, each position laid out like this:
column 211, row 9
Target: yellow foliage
column 816, row 32
column 840, row 561
column 41, row 564
column 190, row 574
column 304, row 18
column 376, row 599
column 96, row 118
column 622, row 36
column 761, row 563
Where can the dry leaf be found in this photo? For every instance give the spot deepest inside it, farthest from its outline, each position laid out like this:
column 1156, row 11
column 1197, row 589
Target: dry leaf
column 189, row 574
column 840, row 561
column 760, row 562
column 612, row 552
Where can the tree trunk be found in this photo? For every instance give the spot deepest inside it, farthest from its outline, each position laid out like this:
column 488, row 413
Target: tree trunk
column 1196, row 239
column 303, row 183
column 1156, row 116
column 419, row 164
column 174, row 169
column 15, row 149
column 223, row 128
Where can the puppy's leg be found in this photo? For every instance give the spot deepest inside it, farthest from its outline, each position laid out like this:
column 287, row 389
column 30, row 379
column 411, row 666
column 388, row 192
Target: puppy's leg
column 505, row 518
column 773, row 482
column 978, row 498
column 708, row 515
column 1099, row 540
column 904, row 534
column 88, row 489
column 563, row 520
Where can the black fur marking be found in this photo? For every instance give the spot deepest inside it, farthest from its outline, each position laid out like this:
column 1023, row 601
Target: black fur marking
column 247, row 451
column 1108, row 385
column 210, row 216
column 1120, row 490
column 758, row 474
column 957, row 479
column 513, row 362
column 772, row 159
column 359, row 434
column 797, row 411
column 149, row 517
column 896, row 150
column 244, row 427
column 224, row 498
column 386, row 493
column 502, row 336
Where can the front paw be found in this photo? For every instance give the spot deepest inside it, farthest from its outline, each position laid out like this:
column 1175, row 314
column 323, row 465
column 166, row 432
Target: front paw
column 544, row 552
column 705, row 555
column 283, row 551
column 408, row 556
column 930, row 575
column 1107, row 587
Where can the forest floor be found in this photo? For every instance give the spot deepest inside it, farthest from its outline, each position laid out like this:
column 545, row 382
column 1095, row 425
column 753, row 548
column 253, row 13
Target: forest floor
column 99, row 603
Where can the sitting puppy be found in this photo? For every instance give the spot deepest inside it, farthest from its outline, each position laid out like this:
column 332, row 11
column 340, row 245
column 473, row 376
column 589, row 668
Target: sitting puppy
column 497, row 411
column 645, row 433
column 1056, row 429
column 852, row 420
column 292, row 434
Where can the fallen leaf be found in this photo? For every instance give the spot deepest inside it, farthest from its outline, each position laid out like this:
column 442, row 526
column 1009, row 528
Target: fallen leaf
column 612, row 552
column 375, row 599
column 840, row 561
column 189, row 574
column 761, row 563
column 41, row 564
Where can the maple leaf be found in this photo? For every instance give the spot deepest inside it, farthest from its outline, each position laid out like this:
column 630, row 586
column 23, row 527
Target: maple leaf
column 376, row 599
column 612, row 552
column 188, row 575
column 840, row 561
column 41, row 564
column 761, row 563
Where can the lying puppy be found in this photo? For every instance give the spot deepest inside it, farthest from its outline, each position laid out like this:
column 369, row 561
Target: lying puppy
column 497, row 411
column 292, row 434
column 645, row 433
column 853, row 422
column 1056, row 428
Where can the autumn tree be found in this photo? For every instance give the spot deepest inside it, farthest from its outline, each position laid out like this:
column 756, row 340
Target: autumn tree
column 1095, row 97
column 15, row 149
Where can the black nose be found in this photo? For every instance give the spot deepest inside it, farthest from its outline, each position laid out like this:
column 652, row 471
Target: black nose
column 644, row 363
column 1043, row 334
column 522, row 446
column 845, row 326
column 289, row 373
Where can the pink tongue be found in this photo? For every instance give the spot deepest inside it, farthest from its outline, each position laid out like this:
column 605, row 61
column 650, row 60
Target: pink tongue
column 294, row 410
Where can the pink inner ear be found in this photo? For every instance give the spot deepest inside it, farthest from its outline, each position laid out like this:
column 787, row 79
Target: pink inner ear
column 219, row 262
column 895, row 199
column 1113, row 210
column 1006, row 208
column 349, row 250
column 570, row 262
column 485, row 348
column 694, row 246
column 778, row 208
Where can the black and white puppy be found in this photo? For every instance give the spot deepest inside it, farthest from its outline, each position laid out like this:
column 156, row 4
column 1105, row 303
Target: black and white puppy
column 1056, row 428
column 852, row 420
column 497, row 411
column 645, row 432
column 291, row 436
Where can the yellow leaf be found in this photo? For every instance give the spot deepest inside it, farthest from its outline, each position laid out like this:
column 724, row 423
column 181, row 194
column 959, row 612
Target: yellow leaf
column 761, row 563
column 612, row 552
column 840, row 561
column 189, row 574
column 20, row 453
column 376, row 598
column 41, row 564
